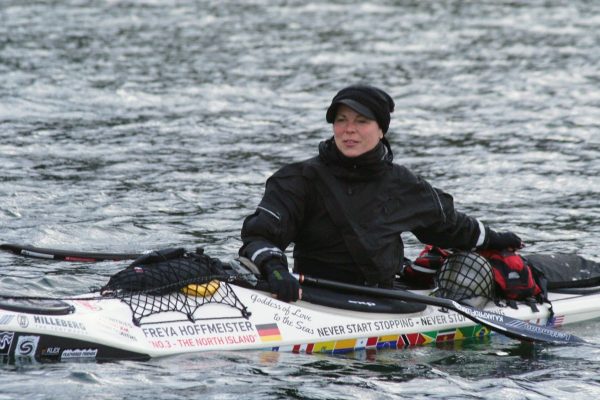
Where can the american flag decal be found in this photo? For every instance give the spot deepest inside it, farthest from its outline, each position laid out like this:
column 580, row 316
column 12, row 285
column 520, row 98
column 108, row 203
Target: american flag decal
column 556, row 321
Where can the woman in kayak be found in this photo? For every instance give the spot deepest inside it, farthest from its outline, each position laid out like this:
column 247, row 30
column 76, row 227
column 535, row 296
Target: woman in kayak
column 346, row 208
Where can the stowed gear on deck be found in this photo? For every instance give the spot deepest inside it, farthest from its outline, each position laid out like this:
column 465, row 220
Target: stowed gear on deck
column 502, row 276
column 173, row 280
column 465, row 276
column 158, row 281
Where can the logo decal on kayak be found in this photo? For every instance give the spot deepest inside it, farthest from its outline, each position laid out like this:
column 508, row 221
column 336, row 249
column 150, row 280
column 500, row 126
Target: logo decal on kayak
column 50, row 351
column 6, row 339
column 26, row 346
column 363, row 303
column 68, row 354
column 5, row 319
column 23, row 321
column 269, row 332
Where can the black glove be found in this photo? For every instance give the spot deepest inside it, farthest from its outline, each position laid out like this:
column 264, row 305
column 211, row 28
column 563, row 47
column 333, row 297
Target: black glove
column 501, row 240
column 281, row 282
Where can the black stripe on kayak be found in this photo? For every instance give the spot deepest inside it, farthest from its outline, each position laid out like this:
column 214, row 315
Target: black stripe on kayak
column 66, row 255
column 358, row 302
column 508, row 326
column 21, row 346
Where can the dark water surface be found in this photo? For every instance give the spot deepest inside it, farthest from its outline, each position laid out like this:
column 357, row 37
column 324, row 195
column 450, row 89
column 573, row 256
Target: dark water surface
column 132, row 125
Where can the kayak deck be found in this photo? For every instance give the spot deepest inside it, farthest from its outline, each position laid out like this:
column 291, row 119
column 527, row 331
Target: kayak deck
column 104, row 329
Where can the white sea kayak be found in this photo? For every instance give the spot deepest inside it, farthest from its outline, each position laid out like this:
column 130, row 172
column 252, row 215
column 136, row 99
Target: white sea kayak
column 98, row 328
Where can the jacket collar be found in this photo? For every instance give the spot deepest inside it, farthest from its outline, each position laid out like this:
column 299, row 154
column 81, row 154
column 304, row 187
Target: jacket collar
column 367, row 165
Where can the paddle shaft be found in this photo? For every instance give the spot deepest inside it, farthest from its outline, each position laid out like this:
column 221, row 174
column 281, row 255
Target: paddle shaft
column 66, row 255
column 508, row 326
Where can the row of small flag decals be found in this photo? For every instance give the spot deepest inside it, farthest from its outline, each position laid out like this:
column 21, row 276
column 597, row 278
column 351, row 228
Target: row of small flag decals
column 391, row 341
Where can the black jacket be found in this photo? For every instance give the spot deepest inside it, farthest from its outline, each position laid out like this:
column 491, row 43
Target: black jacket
column 304, row 202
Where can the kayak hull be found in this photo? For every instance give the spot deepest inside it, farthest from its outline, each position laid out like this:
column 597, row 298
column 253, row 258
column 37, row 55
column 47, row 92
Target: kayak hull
column 103, row 329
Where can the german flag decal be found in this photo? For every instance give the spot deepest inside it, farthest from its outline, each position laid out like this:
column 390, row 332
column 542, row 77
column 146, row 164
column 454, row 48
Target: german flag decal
column 268, row 332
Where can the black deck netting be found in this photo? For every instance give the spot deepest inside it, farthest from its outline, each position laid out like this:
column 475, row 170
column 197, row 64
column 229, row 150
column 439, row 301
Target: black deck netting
column 144, row 304
column 173, row 280
column 465, row 275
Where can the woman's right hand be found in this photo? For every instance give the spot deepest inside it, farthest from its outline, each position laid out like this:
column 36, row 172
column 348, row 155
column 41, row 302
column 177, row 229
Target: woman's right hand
column 281, row 283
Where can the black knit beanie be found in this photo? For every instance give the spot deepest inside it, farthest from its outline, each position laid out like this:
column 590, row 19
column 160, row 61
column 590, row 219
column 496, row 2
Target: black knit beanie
column 368, row 101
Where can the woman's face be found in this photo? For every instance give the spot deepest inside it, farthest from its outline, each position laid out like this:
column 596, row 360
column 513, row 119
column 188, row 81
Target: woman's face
column 355, row 134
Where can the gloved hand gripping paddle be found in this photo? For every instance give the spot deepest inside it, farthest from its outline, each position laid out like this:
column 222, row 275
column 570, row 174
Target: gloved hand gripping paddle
column 281, row 282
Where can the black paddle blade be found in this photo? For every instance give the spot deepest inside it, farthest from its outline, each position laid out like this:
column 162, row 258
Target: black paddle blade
column 517, row 329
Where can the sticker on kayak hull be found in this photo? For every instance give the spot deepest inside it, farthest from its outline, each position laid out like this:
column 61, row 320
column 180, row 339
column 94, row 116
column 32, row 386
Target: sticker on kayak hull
column 269, row 332
column 6, row 339
column 69, row 354
column 26, row 346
